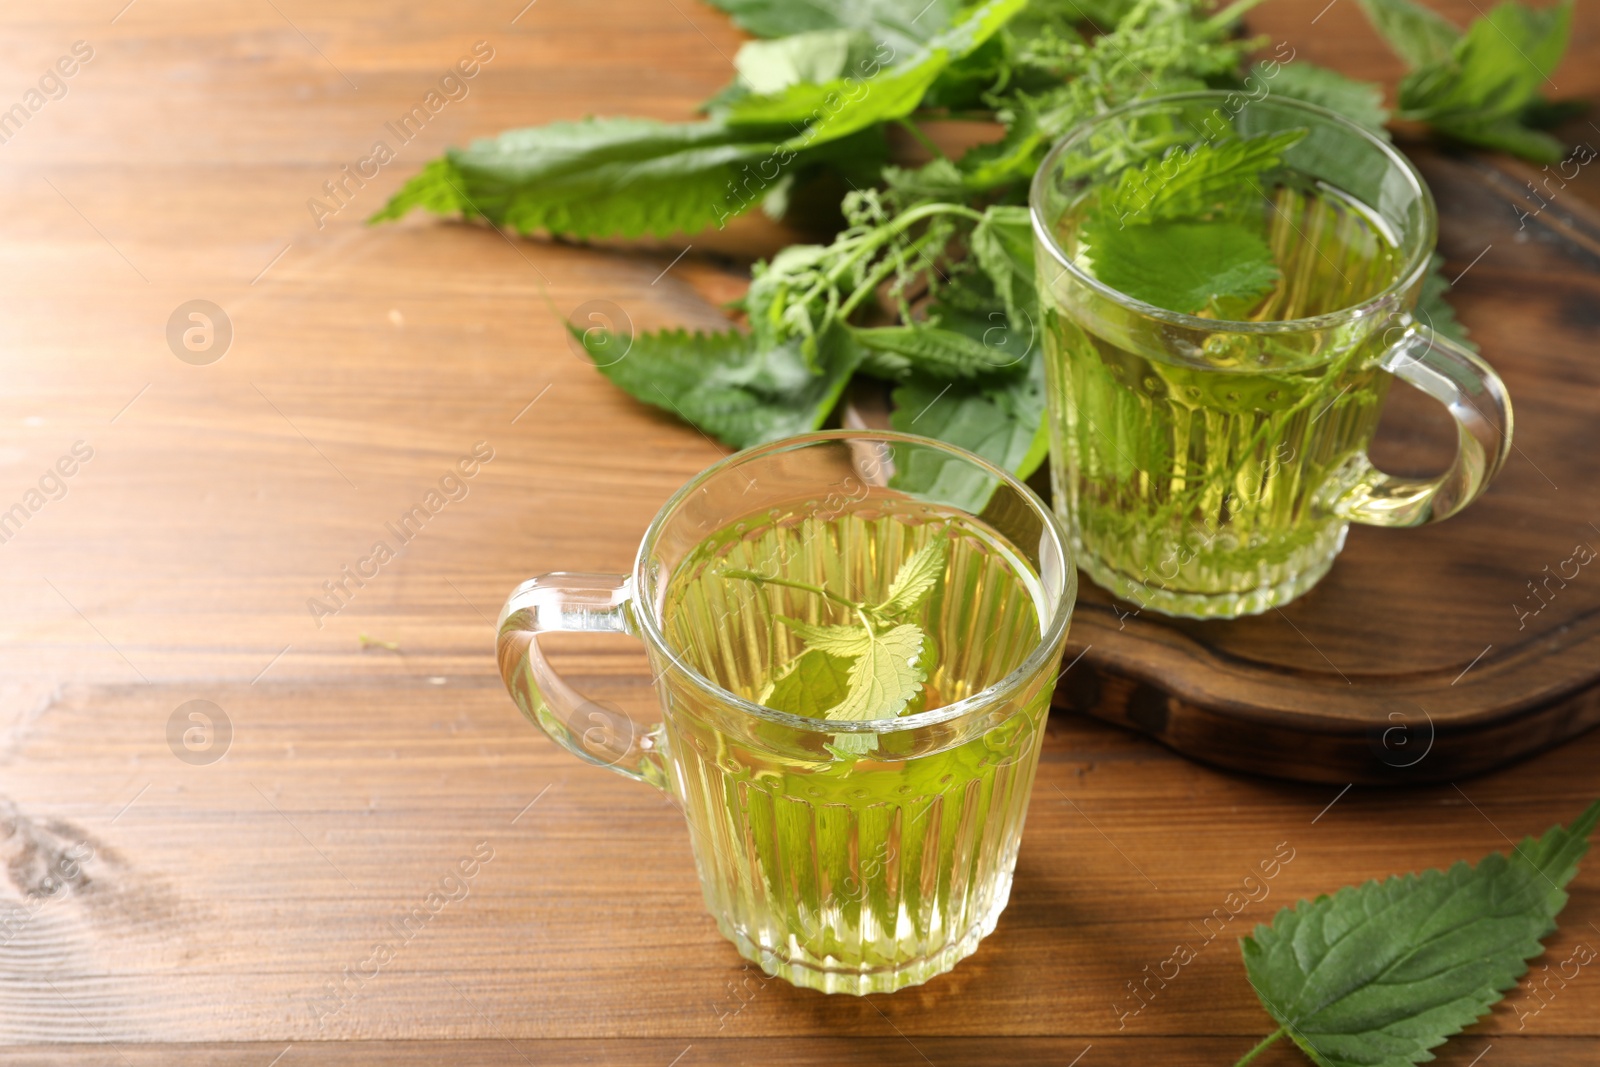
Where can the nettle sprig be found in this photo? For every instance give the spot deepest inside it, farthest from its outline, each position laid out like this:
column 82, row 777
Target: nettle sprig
column 1377, row 975
column 872, row 667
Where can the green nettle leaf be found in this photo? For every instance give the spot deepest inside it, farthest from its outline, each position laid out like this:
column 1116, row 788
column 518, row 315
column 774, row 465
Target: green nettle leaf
column 885, row 677
column 812, row 684
column 857, row 673
column 874, row 93
column 1001, row 421
column 1480, row 86
column 1496, row 69
column 1376, row 975
column 598, row 177
column 817, row 56
column 726, row 383
column 439, row 187
column 1192, row 182
column 917, row 577
column 900, row 22
column 1417, row 34
column 1360, row 102
column 847, row 641
column 1185, row 266
column 1003, row 246
column 948, row 355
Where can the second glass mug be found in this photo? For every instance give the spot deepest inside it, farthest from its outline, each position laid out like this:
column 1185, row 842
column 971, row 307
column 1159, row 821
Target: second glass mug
column 1210, row 468
column 859, row 875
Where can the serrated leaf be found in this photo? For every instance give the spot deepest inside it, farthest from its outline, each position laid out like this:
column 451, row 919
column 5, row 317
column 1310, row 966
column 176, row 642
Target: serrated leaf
column 1360, row 102
column 813, row 682
column 1194, row 181
column 1376, row 975
column 948, row 355
column 437, row 187
column 901, row 22
column 1417, row 34
column 1495, row 69
column 815, row 56
column 842, row 106
column 1492, row 75
column 917, row 577
column 1001, row 421
column 885, row 676
column 727, row 384
column 1505, row 134
column 599, row 177
column 1002, row 243
column 1184, row 266
column 846, row 641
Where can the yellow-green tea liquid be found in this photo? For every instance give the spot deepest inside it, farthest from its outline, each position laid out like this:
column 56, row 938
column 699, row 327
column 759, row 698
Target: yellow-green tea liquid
column 1200, row 488
column 854, row 874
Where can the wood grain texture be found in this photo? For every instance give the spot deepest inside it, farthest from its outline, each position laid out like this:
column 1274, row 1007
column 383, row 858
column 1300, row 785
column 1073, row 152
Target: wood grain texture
column 166, row 912
column 243, row 899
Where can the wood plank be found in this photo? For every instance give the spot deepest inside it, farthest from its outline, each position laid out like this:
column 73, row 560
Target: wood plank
column 221, row 898
column 224, row 901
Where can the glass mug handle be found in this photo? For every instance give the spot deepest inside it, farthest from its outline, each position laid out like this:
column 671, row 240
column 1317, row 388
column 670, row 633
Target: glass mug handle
column 573, row 603
column 1475, row 397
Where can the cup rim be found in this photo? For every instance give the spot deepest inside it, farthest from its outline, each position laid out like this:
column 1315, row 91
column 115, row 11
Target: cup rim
column 645, row 615
column 1404, row 280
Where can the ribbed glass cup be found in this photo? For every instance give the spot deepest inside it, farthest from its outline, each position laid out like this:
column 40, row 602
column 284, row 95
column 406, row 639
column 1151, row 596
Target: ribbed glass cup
column 845, row 874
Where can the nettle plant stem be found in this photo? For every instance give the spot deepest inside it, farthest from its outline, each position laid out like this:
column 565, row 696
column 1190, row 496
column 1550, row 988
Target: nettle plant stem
column 790, row 583
column 1262, row 1047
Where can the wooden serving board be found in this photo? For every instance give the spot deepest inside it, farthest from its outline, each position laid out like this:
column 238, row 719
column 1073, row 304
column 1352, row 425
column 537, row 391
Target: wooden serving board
column 1434, row 653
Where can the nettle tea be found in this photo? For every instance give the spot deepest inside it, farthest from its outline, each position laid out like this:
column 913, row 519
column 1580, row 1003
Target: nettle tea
column 855, row 636
column 1225, row 307
column 854, row 857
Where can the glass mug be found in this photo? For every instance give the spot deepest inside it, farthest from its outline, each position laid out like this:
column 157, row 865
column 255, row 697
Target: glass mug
column 1210, row 468
column 855, row 857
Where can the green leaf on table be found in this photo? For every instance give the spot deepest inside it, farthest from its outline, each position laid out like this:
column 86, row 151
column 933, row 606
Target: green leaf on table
column 1376, row 975
column 1002, row 421
column 595, row 178
column 1195, row 181
column 1013, row 159
column 1505, row 134
column 1418, row 34
column 815, row 56
column 728, row 384
column 1483, row 85
column 839, row 107
column 894, row 352
column 1495, row 69
column 1185, row 266
column 813, row 682
column 438, row 187
column 1003, row 246
column 1360, row 102
column 900, row 22
column 916, row 577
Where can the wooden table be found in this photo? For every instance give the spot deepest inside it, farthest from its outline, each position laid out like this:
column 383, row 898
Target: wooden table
column 167, row 910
